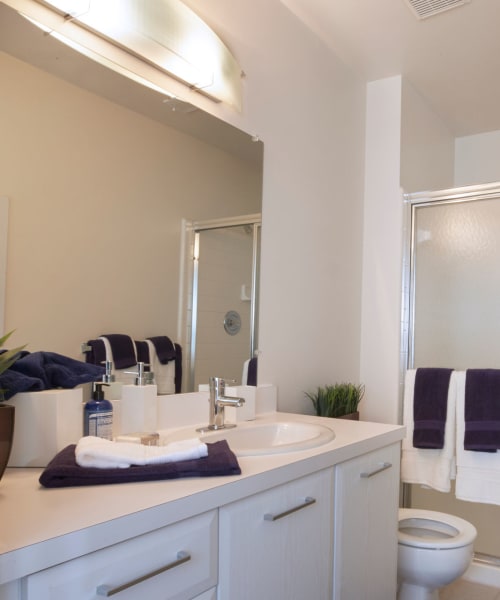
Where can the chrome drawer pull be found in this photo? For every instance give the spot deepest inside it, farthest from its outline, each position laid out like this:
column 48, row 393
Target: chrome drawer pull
column 383, row 467
column 106, row 590
column 307, row 502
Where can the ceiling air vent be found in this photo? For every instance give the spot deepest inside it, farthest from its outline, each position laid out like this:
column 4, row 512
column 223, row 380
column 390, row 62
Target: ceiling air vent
column 429, row 8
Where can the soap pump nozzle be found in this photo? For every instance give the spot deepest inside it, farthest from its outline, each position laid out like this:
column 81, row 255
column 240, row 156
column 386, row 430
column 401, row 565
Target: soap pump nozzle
column 97, row 391
column 143, row 377
column 108, row 376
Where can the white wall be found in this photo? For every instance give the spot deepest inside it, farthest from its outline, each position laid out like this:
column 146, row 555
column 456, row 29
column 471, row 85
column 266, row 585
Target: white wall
column 477, row 159
column 427, row 145
column 382, row 252
column 309, row 110
column 406, row 145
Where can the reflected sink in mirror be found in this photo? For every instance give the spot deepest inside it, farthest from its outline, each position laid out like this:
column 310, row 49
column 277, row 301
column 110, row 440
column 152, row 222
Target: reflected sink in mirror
column 253, row 439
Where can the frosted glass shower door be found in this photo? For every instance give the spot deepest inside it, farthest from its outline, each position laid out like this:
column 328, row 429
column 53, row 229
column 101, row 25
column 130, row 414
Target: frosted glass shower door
column 456, row 316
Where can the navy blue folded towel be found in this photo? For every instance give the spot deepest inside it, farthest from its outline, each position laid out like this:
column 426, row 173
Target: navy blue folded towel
column 430, row 404
column 37, row 371
column 123, row 349
column 482, row 410
column 165, row 349
column 63, row 471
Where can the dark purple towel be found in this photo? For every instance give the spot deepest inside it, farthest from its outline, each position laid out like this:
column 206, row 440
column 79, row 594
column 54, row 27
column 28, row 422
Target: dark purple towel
column 97, row 353
column 165, row 349
column 63, row 471
column 123, row 349
column 252, row 371
column 482, row 410
column 142, row 349
column 430, row 403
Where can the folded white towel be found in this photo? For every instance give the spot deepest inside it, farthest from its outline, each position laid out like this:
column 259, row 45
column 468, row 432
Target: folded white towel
column 164, row 374
column 478, row 473
column 104, row 454
column 428, row 467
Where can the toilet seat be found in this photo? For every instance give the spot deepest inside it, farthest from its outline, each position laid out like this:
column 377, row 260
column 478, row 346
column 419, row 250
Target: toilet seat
column 433, row 530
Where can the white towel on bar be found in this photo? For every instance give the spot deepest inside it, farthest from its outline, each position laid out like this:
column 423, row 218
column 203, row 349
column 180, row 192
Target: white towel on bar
column 428, row 467
column 164, row 374
column 478, row 473
column 97, row 452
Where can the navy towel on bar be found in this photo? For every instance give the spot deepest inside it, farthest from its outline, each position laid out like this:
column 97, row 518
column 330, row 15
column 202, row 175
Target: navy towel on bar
column 482, row 410
column 165, row 349
column 430, row 405
column 142, row 349
column 252, row 371
column 123, row 349
column 97, row 353
column 63, row 471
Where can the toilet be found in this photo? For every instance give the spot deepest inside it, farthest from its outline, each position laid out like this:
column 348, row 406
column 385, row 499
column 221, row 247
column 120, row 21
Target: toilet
column 434, row 549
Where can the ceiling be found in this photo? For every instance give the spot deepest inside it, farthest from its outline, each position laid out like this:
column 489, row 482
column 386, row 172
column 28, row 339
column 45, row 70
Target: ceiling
column 451, row 58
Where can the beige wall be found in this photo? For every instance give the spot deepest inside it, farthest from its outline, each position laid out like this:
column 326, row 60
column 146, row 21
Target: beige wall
column 96, row 197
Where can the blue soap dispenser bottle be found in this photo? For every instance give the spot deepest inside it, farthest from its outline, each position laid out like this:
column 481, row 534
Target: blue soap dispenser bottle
column 98, row 414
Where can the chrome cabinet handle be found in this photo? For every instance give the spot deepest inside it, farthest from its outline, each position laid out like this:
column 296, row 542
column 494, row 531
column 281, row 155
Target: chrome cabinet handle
column 307, row 502
column 106, row 590
column 383, row 466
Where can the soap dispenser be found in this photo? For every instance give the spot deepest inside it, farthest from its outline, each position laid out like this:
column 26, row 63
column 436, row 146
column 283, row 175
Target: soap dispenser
column 98, row 414
column 139, row 403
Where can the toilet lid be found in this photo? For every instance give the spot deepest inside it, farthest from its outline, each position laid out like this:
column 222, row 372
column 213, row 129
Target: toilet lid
column 433, row 530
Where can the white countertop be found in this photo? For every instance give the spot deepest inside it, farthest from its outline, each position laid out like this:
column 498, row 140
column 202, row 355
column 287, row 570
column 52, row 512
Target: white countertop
column 41, row 527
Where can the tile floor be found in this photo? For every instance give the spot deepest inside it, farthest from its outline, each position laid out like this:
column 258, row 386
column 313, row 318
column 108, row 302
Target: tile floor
column 466, row 590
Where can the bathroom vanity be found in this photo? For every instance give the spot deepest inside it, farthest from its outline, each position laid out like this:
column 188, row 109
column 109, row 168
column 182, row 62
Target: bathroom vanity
column 314, row 523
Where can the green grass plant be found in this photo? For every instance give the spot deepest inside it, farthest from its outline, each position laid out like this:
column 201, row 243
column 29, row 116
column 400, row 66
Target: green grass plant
column 336, row 400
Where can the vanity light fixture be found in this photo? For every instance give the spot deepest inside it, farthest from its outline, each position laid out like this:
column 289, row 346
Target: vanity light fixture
column 140, row 38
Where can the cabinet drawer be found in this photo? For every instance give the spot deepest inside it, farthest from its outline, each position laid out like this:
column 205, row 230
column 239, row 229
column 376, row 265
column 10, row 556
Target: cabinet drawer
column 175, row 562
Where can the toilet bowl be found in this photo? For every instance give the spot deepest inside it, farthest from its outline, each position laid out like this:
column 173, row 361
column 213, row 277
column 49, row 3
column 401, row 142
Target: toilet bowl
column 434, row 549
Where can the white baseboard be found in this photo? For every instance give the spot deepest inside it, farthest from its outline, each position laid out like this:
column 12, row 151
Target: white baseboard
column 484, row 574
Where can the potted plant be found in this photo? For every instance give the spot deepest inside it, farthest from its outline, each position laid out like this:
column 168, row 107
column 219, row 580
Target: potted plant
column 339, row 400
column 7, row 411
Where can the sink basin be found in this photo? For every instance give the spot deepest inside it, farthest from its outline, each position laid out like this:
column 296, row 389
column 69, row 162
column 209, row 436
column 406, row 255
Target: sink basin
column 251, row 439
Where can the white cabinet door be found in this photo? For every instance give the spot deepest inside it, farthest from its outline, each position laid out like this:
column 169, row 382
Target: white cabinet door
column 174, row 562
column 366, row 523
column 277, row 545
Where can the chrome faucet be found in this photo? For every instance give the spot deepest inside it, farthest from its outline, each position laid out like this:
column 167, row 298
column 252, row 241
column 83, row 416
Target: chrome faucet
column 217, row 402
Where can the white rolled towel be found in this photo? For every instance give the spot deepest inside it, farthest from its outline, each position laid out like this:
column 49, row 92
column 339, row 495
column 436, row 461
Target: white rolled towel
column 104, row 454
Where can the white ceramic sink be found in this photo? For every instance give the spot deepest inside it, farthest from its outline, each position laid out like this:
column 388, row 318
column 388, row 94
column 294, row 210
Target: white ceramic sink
column 254, row 438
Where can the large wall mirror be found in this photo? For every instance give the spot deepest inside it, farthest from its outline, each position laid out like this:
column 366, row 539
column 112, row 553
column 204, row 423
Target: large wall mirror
column 101, row 174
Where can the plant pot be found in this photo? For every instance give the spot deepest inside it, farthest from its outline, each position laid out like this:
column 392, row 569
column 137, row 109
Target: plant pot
column 6, row 434
column 352, row 416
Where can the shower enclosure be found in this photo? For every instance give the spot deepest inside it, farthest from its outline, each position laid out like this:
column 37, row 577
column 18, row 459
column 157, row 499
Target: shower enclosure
column 453, row 312
column 223, row 311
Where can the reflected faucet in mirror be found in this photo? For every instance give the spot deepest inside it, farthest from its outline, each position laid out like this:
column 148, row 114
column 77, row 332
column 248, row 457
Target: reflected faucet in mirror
column 217, row 402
